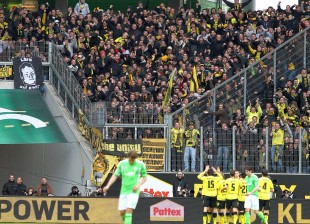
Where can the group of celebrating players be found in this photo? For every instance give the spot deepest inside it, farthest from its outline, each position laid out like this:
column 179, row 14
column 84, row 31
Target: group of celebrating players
column 231, row 200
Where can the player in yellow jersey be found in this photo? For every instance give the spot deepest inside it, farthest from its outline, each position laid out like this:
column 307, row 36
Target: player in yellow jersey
column 221, row 199
column 209, row 192
column 241, row 197
column 232, row 185
column 265, row 187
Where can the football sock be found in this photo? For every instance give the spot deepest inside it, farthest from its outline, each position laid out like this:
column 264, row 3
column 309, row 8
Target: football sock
column 241, row 218
column 247, row 217
column 128, row 218
column 266, row 216
column 214, row 216
column 204, row 218
column 235, row 217
column 209, row 215
column 226, row 217
column 222, row 218
column 261, row 216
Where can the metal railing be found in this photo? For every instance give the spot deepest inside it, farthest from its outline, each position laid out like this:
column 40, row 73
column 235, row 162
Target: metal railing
column 242, row 147
column 67, row 86
column 134, row 113
column 131, row 131
column 11, row 49
column 281, row 64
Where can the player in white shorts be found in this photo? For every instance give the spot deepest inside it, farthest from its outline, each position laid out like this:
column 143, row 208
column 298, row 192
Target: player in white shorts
column 133, row 174
column 251, row 199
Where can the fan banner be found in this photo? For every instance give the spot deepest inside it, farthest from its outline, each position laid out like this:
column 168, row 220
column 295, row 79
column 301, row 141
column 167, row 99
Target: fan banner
column 27, row 73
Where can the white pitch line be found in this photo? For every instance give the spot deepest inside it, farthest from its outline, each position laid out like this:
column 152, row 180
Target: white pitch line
column 9, row 126
column 24, row 125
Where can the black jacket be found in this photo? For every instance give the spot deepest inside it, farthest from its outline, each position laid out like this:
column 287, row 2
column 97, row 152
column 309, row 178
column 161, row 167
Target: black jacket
column 9, row 188
column 179, row 185
column 224, row 137
column 21, row 189
column 115, row 67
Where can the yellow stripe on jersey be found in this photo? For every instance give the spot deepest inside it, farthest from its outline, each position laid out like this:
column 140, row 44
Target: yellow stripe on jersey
column 209, row 184
column 266, row 186
column 242, row 190
column 221, row 195
column 232, row 188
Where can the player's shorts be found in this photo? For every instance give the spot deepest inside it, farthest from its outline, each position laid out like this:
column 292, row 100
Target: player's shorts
column 127, row 201
column 240, row 205
column 231, row 203
column 209, row 202
column 251, row 202
column 264, row 205
column 221, row 204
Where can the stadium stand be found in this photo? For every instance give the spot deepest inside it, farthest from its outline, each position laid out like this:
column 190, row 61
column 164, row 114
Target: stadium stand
column 145, row 63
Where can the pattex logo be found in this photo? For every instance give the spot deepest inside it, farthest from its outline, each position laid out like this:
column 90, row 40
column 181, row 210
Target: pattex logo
column 167, row 211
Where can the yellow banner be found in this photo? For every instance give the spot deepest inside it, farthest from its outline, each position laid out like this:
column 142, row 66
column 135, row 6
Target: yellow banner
column 102, row 166
column 6, row 72
column 118, row 147
column 152, row 150
column 153, row 153
column 30, row 5
column 59, row 210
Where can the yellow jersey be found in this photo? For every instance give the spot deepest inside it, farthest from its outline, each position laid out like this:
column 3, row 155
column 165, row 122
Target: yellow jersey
column 232, row 188
column 265, row 187
column 278, row 137
column 209, row 184
column 281, row 109
column 177, row 137
column 3, row 25
column 221, row 194
column 191, row 137
column 242, row 190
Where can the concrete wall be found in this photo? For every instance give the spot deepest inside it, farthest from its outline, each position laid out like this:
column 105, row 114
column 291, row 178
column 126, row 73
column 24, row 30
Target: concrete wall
column 63, row 164
column 6, row 84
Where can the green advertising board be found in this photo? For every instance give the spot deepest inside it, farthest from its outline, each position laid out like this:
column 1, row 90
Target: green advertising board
column 25, row 119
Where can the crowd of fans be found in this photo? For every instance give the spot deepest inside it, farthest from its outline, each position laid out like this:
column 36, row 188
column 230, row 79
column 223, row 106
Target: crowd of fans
column 126, row 58
column 251, row 142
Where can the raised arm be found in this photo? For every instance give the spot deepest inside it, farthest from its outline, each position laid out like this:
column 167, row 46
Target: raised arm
column 230, row 4
column 201, row 175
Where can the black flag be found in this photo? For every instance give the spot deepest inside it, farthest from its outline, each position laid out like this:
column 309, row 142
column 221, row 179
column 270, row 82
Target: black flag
column 27, row 73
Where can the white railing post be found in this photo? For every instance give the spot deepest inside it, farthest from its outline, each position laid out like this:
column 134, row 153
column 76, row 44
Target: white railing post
column 201, row 148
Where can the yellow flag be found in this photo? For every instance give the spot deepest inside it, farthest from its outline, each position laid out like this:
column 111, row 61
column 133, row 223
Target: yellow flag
column 44, row 18
column 101, row 168
column 130, row 78
column 194, row 81
column 169, row 90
